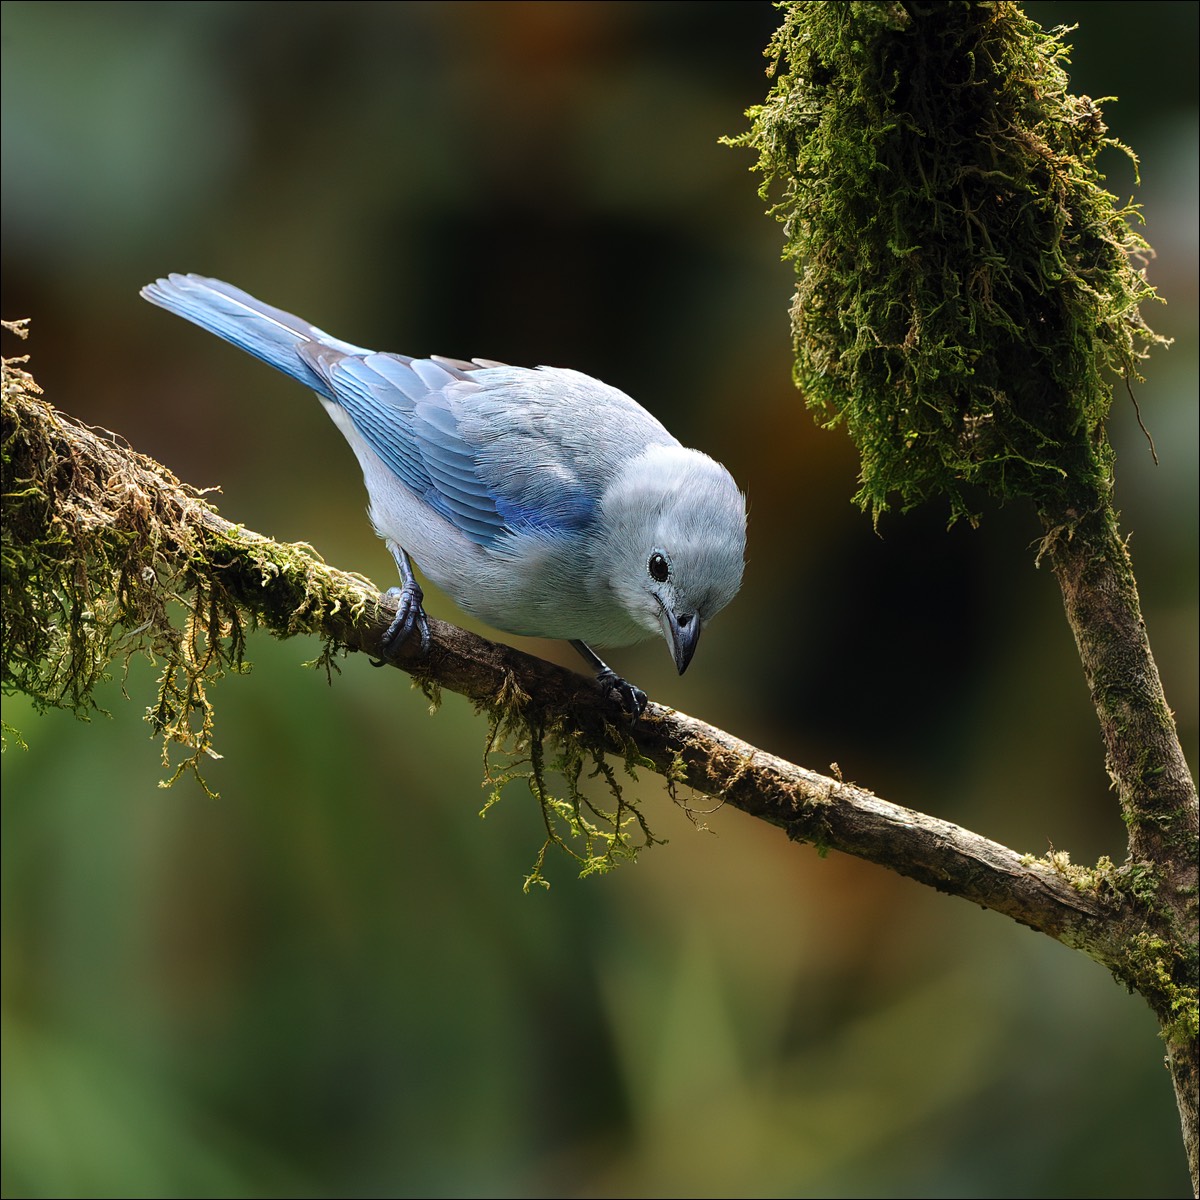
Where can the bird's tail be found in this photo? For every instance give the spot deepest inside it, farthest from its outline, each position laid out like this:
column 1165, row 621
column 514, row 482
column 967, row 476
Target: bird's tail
column 268, row 333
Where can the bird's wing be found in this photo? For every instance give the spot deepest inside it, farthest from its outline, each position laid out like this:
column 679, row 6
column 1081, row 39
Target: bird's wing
column 496, row 450
column 437, row 424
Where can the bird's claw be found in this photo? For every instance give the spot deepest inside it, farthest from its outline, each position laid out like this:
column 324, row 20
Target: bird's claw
column 409, row 616
column 633, row 699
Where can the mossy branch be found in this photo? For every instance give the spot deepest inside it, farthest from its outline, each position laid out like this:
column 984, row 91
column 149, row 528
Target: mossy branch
column 106, row 554
column 965, row 282
column 967, row 292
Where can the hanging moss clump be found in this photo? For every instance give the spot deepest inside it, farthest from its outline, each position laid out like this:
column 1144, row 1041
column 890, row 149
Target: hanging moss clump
column 967, row 288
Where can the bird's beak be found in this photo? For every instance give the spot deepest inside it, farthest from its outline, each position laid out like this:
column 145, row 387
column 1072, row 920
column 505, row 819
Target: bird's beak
column 683, row 635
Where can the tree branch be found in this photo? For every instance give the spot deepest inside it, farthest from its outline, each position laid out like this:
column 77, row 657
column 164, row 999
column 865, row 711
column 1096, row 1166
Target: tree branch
column 1146, row 764
column 967, row 288
column 112, row 513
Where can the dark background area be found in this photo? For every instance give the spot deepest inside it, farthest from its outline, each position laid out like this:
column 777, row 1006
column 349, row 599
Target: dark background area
column 328, row 980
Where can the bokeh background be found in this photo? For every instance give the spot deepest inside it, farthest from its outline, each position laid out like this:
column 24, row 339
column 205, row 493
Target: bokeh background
column 327, row 981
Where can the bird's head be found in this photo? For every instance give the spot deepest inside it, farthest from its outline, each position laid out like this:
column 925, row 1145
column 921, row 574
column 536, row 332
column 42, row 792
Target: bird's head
column 675, row 533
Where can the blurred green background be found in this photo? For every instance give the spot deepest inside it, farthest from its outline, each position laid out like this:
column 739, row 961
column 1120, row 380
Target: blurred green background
column 328, row 981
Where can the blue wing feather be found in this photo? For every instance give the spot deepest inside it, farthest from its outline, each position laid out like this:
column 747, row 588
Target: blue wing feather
column 382, row 415
column 409, row 410
column 438, row 424
column 414, row 432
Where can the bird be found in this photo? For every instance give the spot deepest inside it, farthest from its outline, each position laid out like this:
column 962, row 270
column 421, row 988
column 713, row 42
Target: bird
column 542, row 501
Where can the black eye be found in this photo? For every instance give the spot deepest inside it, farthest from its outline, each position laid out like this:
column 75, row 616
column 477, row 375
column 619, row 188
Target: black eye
column 659, row 567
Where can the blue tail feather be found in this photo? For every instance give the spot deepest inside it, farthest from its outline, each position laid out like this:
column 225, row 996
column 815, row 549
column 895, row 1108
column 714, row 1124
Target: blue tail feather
column 270, row 334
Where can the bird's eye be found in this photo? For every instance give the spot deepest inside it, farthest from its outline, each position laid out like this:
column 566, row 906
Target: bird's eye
column 659, row 567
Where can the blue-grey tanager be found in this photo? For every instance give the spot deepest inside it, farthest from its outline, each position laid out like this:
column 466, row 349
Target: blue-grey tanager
column 543, row 501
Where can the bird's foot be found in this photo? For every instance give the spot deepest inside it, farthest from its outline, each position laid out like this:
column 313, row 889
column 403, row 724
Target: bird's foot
column 633, row 699
column 410, row 617
column 409, row 613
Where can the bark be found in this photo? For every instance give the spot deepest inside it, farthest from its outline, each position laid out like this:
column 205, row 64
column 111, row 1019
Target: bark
column 1145, row 762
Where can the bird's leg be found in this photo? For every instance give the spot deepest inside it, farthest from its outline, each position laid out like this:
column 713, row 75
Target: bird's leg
column 409, row 613
column 633, row 699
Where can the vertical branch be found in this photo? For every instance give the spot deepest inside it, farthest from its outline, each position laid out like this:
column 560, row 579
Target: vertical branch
column 1146, row 764
column 1144, row 757
column 967, row 288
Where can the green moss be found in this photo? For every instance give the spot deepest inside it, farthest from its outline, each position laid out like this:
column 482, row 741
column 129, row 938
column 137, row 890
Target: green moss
column 1168, row 982
column 105, row 555
column 598, row 834
column 1163, row 969
column 966, row 285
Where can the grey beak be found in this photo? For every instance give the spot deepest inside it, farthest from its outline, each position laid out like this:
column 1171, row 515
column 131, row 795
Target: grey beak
column 684, row 635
